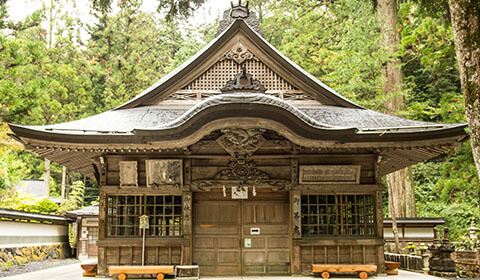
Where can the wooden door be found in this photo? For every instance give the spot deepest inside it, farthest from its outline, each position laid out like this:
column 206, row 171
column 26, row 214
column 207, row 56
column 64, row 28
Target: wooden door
column 216, row 239
column 269, row 253
column 221, row 225
column 92, row 242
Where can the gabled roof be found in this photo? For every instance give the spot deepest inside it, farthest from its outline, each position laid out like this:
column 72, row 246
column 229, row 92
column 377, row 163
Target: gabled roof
column 299, row 77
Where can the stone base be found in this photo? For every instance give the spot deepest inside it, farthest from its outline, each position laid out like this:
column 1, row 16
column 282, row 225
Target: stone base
column 443, row 274
column 22, row 255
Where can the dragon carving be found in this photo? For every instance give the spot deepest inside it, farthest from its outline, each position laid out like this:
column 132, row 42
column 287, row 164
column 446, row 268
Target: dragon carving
column 240, row 142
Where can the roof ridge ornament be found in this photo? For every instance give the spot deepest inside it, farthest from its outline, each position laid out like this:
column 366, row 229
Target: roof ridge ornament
column 243, row 82
column 242, row 12
column 239, row 11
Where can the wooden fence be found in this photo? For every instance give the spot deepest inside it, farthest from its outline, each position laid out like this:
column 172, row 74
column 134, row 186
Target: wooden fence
column 407, row 262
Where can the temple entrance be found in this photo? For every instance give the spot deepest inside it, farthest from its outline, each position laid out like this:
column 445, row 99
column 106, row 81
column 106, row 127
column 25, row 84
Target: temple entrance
column 241, row 237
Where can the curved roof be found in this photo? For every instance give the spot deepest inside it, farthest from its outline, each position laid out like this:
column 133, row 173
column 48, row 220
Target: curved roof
column 326, row 121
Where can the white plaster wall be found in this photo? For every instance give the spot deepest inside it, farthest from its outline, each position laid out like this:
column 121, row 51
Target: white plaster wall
column 409, row 233
column 18, row 234
column 388, row 233
column 419, row 232
column 31, row 229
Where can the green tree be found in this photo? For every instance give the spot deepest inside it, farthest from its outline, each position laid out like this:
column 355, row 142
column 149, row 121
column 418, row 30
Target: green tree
column 336, row 41
column 127, row 53
column 465, row 17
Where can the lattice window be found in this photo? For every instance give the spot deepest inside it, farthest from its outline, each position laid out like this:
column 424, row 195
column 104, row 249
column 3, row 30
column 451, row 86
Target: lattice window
column 164, row 212
column 337, row 215
column 217, row 76
column 92, row 235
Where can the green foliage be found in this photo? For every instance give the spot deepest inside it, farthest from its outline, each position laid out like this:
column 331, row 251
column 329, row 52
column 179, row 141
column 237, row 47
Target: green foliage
column 127, row 53
column 337, row 42
column 41, row 206
column 178, row 8
column 449, row 187
column 75, row 200
column 195, row 39
column 17, row 200
column 429, row 66
column 72, row 235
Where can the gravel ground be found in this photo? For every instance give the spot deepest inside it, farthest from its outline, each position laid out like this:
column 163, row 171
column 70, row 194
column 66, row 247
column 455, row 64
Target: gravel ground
column 36, row 266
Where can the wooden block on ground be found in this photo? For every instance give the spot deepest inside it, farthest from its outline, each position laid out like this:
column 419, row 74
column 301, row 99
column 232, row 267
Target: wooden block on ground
column 135, row 269
column 361, row 269
column 344, row 267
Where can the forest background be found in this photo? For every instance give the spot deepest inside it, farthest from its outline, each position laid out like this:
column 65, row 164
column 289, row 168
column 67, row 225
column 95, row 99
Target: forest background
column 57, row 74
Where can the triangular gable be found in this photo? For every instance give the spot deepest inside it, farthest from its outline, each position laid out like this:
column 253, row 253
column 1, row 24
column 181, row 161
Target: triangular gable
column 205, row 70
column 230, row 64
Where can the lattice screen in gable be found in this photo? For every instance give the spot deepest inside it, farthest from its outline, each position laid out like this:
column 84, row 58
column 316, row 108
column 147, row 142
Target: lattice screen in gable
column 224, row 70
column 211, row 81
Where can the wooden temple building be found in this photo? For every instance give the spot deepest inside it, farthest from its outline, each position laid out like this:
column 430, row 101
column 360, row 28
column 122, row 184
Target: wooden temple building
column 244, row 163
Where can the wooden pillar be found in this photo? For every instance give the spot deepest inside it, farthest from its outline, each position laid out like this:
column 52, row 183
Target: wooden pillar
column 295, row 218
column 46, row 178
column 64, row 181
column 79, row 235
column 102, row 209
column 379, row 233
column 187, row 201
column 379, row 218
column 295, row 231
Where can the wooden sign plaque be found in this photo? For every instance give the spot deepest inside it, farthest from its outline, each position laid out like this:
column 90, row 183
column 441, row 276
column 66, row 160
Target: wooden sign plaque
column 144, row 224
column 128, row 174
column 330, row 174
column 164, row 172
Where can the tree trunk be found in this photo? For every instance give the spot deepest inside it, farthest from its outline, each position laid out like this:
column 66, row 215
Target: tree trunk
column 465, row 16
column 410, row 201
column 64, row 182
column 46, row 178
column 394, row 219
column 402, row 188
column 392, row 85
column 50, row 35
column 403, row 192
column 84, row 189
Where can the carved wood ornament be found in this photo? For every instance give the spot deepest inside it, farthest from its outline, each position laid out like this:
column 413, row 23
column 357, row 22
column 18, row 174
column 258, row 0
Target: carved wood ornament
column 240, row 142
column 243, row 82
column 242, row 169
column 239, row 53
column 239, row 11
column 272, row 184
